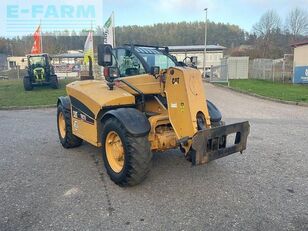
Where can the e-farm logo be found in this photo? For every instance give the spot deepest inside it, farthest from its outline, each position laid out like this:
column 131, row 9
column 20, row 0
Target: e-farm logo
column 53, row 16
column 51, row 11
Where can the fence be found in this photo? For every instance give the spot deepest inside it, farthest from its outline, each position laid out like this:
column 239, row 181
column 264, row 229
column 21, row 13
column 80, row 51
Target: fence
column 219, row 74
column 277, row 70
column 229, row 68
column 3, row 72
column 13, row 73
column 238, row 67
column 75, row 70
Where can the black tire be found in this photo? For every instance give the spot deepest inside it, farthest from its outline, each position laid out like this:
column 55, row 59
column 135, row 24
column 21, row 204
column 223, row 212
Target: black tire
column 215, row 122
column 27, row 83
column 137, row 155
column 214, row 112
column 54, row 82
column 69, row 140
column 190, row 154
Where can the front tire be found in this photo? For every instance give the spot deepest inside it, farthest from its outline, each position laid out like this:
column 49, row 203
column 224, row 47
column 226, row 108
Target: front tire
column 27, row 83
column 54, row 82
column 127, row 159
column 215, row 122
column 66, row 136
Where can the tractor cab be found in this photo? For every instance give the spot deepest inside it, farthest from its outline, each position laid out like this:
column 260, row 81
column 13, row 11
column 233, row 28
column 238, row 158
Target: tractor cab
column 37, row 60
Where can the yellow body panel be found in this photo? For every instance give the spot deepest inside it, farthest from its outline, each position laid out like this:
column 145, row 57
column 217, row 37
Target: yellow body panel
column 186, row 97
column 146, row 83
column 96, row 95
column 155, row 106
column 86, row 131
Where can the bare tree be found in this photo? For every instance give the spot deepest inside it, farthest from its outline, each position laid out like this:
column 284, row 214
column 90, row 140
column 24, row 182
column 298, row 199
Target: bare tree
column 297, row 22
column 266, row 30
column 268, row 23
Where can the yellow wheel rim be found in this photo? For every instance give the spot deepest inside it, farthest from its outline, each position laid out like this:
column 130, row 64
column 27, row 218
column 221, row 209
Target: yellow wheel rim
column 61, row 124
column 114, row 151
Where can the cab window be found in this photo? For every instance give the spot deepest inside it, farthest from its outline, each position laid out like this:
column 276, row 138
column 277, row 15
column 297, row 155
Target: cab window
column 154, row 57
column 128, row 63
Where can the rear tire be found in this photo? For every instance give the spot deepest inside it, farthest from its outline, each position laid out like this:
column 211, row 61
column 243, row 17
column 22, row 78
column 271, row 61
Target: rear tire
column 136, row 158
column 64, row 122
column 27, row 83
column 54, row 82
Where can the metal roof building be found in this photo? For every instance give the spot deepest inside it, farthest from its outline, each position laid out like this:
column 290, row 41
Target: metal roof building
column 214, row 54
column 197, row 48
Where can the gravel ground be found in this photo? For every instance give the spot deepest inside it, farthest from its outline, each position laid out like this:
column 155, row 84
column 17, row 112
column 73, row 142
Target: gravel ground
column 45, row 187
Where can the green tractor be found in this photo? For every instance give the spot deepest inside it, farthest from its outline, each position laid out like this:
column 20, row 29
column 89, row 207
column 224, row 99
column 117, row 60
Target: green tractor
column 40, row 72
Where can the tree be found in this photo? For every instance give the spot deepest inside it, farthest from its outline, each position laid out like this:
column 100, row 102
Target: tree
column 297, row 22
column 268, row 23
column 267, row 30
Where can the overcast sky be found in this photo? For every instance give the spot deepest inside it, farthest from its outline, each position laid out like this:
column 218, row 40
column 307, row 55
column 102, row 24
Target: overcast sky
column 244, row 13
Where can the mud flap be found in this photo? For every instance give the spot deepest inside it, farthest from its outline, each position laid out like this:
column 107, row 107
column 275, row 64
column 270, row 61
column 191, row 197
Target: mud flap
column 211, row 144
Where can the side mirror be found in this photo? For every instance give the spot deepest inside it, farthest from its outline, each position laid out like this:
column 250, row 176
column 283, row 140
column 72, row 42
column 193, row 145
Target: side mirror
column 104, row 55
column 155, row 70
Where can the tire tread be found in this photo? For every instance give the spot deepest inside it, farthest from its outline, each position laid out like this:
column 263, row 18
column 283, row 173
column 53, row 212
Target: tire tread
column 139, row 157
column 70, row 140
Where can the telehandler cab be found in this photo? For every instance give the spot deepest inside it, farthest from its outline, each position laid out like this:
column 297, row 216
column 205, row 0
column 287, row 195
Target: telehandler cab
column 147, row 102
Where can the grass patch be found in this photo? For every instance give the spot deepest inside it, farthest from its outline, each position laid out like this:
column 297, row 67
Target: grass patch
column 12, row 93
column 287, row 92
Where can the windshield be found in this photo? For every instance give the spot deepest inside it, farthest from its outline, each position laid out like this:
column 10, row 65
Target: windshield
column 37, row 60
column 154, row 57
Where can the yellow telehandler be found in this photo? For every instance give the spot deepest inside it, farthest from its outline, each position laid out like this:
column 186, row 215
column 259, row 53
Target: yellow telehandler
column 148, row 102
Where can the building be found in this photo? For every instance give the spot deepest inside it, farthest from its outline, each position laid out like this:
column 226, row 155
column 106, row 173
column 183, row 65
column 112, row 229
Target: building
column 214, row 54
column 68, row 58
column 300, row 62
column 17, row 61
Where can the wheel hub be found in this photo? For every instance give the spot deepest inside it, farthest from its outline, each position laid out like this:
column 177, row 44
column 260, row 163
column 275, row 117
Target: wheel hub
column 114, row 151
column 61, row 124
